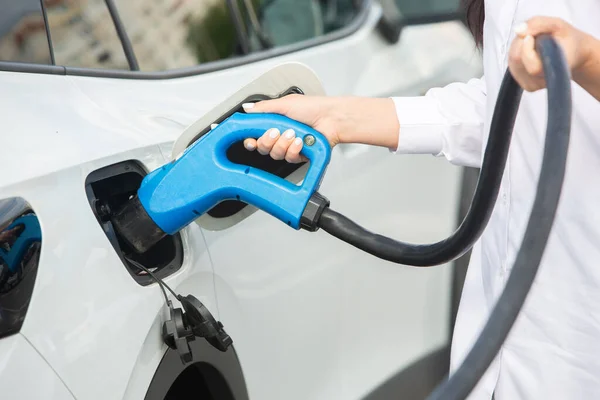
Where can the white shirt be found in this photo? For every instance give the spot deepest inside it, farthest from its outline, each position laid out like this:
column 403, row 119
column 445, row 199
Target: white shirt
column 553, row 350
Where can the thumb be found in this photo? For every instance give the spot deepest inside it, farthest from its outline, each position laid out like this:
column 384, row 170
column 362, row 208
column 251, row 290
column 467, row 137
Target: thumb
column 538, row 25
column 276, row 106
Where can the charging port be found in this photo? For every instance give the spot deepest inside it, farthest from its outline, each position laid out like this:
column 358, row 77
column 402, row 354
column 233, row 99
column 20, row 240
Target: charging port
column 107, row 190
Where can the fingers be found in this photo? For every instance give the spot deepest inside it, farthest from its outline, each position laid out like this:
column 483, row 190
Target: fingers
column 293, row 153
column 514, row 55
column 250, row 144
column 278, row 146
column 538, row 25
column 525, row 65
column 530, row 58
column 533, row 75
column 265, row 143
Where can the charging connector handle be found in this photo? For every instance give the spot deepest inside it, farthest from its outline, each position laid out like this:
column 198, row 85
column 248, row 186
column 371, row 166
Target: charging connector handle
column 177, row 193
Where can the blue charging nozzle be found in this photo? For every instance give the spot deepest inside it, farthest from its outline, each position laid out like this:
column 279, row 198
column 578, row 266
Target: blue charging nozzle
column 174, row 195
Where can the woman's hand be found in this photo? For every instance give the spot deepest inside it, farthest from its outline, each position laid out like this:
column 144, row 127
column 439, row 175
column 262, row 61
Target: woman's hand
column 340, row 119
column 524, row 62
column 320, row 113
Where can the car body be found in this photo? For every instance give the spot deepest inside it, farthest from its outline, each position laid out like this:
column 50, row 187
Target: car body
column 310, row 317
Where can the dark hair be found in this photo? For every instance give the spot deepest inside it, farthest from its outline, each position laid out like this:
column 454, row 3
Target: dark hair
column 475, row 15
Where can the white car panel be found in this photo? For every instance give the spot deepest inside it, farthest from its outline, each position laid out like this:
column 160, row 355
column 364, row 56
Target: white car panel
column 316, row 310
column 24, row 374
column 311, row 317
column 88, row 318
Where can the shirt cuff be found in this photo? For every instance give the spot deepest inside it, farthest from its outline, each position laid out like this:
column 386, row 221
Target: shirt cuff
column 421, row 126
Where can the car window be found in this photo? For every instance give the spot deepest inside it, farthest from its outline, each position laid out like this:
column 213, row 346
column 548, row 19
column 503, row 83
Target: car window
column 291, row 21
column 23, row 32
column 83, row 34
column 424, row 8
column 176, row 34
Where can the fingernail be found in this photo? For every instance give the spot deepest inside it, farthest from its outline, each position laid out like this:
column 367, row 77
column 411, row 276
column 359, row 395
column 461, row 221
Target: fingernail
column 298, row 141
column 213, row 126
column 521, row 28
column 273, row 133
column 247, row 106
column 528, row 39
column 250, row 146
column 290, row 134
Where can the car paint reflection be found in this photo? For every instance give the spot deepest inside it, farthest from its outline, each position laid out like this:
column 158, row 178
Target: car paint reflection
column 20, row 246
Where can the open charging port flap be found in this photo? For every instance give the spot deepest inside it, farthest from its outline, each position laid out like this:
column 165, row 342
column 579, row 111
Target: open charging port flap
column 107, row 190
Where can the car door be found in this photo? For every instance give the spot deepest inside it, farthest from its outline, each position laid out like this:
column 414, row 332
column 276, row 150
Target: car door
column 311, row 317
column 315, row 318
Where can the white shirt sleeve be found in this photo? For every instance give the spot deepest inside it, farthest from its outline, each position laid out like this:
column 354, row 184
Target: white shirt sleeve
column 447, row 121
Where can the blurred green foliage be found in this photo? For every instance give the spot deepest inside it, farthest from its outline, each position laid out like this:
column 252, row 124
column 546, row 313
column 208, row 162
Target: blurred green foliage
column 213, row 36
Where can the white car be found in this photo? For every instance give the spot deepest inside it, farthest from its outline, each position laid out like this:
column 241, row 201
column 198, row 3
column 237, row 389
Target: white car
column 94, row 96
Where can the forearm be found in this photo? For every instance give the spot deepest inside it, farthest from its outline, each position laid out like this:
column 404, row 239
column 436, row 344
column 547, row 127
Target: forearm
column 446, row 121
column 588, row 74
column 371, row 121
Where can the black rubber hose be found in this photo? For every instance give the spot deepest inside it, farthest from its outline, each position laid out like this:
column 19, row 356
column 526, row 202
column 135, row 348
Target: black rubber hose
column 482, row 205
column 539, row 226
column 478, row 215
column 547, row 197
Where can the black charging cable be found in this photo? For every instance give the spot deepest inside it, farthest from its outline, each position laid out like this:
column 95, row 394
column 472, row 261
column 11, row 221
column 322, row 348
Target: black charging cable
column 539, row 226
column 183, row 326
column 160, row 282
column 477, row 217
column 558, row 81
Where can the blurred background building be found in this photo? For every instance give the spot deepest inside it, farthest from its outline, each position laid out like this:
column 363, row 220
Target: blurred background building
column 83, row 34
column 22, row 33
